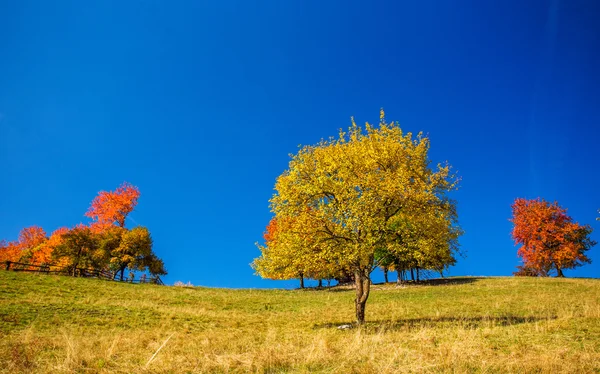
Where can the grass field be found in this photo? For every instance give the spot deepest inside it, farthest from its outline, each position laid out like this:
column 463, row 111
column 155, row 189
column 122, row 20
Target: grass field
column 495, row 325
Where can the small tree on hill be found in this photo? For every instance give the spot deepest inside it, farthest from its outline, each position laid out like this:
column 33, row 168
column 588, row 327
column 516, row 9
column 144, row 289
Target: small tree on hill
column 79, row 248
column 550, row 240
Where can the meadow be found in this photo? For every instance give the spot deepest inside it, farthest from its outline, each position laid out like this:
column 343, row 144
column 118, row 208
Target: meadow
column 495, row 325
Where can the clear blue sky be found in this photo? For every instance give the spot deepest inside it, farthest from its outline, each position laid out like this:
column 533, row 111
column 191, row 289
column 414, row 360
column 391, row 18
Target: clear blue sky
column 199, row 104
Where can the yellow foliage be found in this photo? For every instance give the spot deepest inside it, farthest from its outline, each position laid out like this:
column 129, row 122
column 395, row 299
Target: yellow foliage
column 346, row 198
column 353, row 194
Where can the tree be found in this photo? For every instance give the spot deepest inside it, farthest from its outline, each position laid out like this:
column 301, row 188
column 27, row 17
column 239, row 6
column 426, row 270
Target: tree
column 9, row 251
column 134, row 251
column 287, row 254
column 426, row 239
column 111, row 208
column 80, row 248
column 349, row 196
column 37, row 248
column 43, row 253
column 30, row 238
column 550, row 240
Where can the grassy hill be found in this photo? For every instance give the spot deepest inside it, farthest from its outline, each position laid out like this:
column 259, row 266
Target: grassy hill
column 62, row 324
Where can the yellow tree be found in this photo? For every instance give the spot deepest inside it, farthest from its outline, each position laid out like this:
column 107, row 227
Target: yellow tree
column 426, row 236
column 351, row 195
column 289, row 254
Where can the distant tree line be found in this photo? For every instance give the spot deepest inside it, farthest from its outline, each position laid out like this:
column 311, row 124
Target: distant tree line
column 104, row 244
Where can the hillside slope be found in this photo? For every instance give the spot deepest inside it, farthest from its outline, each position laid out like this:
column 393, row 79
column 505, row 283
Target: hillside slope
column 62, row 324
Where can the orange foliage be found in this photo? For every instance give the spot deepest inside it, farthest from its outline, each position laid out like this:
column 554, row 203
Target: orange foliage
column 111, row 208
column 549, row 238
column 271, row 232
column 29, row 239
column 43, row 254
column 10, row 251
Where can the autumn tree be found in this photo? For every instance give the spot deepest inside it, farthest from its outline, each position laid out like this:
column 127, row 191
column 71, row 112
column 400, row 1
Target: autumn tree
column 111, row 208
column 9, row 251
column 103, row 245
column 30, row 238
column 80, row 248
column 124, row 248
column 351, row 194
column 288, row 254
column 550, row 241
column 43, row 254
column 131, row 249
column 426, row 237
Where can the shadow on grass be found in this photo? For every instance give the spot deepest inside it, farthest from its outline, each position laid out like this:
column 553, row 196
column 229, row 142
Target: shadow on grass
column 345, row 288
column 438, row 322
column 447, row 281
column 429, row 282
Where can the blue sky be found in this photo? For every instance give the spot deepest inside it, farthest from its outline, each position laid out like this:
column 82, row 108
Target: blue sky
column 199, row 104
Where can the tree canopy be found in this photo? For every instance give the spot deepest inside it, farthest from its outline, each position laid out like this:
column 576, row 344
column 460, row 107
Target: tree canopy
column 550, row 240
column 346, row 199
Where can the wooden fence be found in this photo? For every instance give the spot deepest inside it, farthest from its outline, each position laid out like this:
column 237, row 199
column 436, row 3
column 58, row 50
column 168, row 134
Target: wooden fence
column 79, row 272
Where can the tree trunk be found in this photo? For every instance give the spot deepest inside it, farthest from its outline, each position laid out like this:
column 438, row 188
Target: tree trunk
column 122, row 272
column 363, row 287
column 401, row 277
column 560, row 273
column 301, row 281
column 385, row 274
column 417, row 271
column 412, row 274
column 320, row 283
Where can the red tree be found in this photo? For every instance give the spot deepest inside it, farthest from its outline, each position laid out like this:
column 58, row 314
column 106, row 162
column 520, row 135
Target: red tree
column 550, row 240
column 111, row 208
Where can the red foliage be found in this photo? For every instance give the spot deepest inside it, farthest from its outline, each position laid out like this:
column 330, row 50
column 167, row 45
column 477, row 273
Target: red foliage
column 549, row 238
column 111, row 208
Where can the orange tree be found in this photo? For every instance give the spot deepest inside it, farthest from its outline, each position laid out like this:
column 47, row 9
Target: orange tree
column 550, row 240
column 30, row 239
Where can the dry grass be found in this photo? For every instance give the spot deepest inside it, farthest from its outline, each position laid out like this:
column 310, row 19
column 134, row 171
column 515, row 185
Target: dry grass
column 493, row 325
